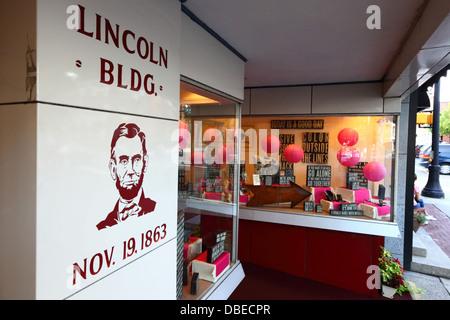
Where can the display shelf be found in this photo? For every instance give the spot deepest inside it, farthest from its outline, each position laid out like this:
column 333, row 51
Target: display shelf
column 358, row 196
column 374, row 210
column 283, row 214
column 212, row 207
column 221, row 289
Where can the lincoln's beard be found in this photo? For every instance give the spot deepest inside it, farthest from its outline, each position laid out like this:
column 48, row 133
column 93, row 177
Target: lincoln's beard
column 130, row 192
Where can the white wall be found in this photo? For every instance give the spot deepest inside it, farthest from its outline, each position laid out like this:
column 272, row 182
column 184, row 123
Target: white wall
column 56, row 184
column 55, row 143
column 355, row 98
column 209, row 62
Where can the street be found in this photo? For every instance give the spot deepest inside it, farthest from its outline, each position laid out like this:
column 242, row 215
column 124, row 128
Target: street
column 444, row 180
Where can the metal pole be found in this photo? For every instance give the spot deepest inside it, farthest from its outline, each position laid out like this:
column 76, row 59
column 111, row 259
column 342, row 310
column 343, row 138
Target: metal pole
column 433, row 188
column 409, row 187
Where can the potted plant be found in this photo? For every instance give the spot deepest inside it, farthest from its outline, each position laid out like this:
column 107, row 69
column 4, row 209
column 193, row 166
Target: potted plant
column 392, row 276
column 418, row 220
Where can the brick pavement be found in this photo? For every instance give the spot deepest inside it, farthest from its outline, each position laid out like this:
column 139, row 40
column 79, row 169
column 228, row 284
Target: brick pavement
column 439, row 230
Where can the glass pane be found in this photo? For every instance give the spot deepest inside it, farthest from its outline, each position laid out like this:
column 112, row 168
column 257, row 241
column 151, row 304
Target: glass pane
column 207, row 184
column 351, row 157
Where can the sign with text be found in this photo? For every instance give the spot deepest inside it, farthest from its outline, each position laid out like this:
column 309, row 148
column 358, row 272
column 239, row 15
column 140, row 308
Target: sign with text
column 297, row 124
column 129, row 61
column 346, row 212
column 315, row 147
column 318, row 176
column 358, row 169
column 285, row 140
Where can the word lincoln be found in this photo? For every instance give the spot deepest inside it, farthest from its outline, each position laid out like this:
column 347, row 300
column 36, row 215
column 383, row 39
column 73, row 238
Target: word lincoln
column 143, row 47
column 103, row 30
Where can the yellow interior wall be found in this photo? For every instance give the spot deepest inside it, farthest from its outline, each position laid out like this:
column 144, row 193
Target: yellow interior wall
column 376, row 143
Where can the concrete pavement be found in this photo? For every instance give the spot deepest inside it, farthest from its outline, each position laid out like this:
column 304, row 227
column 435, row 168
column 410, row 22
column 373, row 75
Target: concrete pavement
column 430, row 267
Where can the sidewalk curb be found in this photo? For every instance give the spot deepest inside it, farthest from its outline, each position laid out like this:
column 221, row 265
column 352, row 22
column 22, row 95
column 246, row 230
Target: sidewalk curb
column 415, row 296
column 436, row 263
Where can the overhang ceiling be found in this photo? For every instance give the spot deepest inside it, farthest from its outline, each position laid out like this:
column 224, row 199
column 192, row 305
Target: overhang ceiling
column 295, row 42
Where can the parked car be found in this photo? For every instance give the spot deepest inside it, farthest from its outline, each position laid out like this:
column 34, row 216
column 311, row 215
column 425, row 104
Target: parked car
column 444, row 158
column 424, row 155
column 425, row 149
column 418, row 147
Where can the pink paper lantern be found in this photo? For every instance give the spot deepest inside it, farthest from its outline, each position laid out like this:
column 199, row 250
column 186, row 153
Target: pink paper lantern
column 197, row 158
column 183, row 135
column 270, row 144
column 348, row 156
column 348, row 137
column 374, row 171
column 293, row 153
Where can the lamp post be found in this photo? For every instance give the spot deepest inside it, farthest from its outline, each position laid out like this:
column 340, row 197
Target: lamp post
column 433, row 187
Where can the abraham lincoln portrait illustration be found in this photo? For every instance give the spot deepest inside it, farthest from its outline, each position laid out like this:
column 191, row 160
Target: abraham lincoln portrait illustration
column 127, row 165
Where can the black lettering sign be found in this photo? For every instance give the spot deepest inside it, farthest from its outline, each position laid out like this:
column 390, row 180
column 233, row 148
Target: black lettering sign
column 285, row 140
column 315, row 147
column 308, row 206
column 318, row 176
column 285, row 180
column 297, row 124
column 346, row 212
column 214, row 252
column 352, row 181
column 358, row 168
column 220, row 236
column 349, row 206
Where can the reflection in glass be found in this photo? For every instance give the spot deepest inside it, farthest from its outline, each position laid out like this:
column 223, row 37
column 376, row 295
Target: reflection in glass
column 207, row 186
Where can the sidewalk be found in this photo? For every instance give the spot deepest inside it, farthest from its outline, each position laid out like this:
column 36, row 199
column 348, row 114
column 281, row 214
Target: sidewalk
column 430, row 267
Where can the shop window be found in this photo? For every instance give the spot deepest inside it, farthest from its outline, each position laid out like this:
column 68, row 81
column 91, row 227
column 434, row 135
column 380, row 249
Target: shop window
column 340, row 166
column 208, row 189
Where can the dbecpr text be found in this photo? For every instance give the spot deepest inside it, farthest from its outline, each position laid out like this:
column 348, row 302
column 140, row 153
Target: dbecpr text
column 245, row 309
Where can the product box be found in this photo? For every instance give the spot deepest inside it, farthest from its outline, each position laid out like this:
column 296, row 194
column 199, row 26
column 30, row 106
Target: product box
column 193, row 248
column 211, row 271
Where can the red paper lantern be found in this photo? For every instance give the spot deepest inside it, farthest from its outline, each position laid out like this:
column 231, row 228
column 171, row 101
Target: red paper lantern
column 270, row 144
column 374, row 171
column 348, row 156
column 348, row 137
column 293, row 153
column 197, row 158
column 183, row 135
